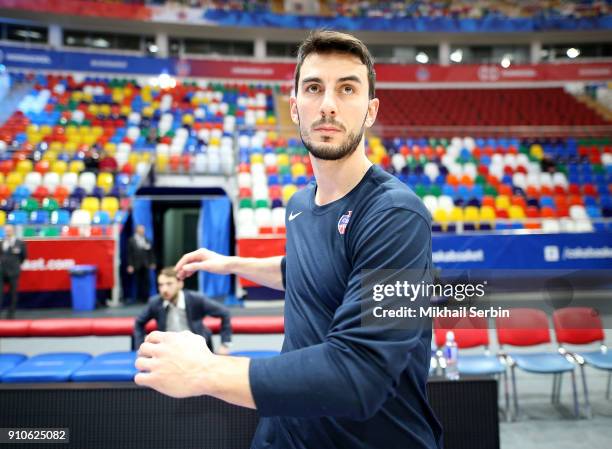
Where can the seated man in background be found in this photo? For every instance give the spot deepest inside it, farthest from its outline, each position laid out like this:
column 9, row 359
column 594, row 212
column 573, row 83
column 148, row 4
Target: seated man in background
column 177, row 310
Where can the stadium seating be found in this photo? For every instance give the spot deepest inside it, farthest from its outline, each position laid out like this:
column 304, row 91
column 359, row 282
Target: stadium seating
column 468, row 184
column 482, row 107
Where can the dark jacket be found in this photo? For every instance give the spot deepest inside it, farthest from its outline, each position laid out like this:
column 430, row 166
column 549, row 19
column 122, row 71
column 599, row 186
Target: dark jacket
column 139, row 257
column 196, row 306
column 11, row 260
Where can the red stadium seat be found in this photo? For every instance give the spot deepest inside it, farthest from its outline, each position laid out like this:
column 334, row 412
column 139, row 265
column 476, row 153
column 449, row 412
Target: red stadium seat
column 578, row 325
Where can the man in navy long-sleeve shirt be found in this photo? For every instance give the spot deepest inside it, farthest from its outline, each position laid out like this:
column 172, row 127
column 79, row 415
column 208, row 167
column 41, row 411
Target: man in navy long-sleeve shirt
column 339, row 381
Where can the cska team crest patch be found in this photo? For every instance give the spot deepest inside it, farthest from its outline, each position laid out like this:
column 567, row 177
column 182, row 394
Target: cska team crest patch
column 343, row 222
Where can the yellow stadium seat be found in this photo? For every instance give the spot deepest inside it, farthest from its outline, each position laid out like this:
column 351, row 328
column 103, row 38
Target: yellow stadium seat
column 271, row 120
column 516, row 212
column 288, row 192
column 161, row 162
column 256, row 158
column 487, row 213
column 1, row 178
column 378, row 150
column 24, row 166
column 133, row 158
column 75, row 140
column 375, row 158
column 2, row 217
column 90, row 139
column 70, row 147
column 282, row 159
column 13, row 180
column 76, row 166
column 105, row 181
column 49, row 156
column 145, row 156
column 298, row 169
column 110, row 148
column 471, row 213
column 502, row 202
column 440, row 215
column 59, row 167
column 91, row 204
column 456, row 214
column 110, row 204
column 536, row 151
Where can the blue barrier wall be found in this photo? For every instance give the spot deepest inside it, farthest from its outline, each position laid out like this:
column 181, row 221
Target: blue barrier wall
column 523, row 251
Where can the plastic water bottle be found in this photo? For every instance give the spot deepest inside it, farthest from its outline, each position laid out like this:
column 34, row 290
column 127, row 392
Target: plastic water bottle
column 450, row 355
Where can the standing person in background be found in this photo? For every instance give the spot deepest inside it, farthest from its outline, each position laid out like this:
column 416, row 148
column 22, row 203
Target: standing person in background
column 178, row 310
column 12, row 254
column 140, row 260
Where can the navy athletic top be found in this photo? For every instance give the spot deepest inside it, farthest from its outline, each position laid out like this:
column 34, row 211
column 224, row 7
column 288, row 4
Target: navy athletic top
column 337, row 383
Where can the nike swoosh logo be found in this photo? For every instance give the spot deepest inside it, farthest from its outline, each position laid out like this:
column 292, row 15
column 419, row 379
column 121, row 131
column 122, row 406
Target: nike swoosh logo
column 292, row 217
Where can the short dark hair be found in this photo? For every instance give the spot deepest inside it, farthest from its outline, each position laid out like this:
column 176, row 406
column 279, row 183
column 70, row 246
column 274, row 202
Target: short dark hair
column 327, row 41
column 168, row 272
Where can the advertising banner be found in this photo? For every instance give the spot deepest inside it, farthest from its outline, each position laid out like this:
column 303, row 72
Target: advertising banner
column 47, row 265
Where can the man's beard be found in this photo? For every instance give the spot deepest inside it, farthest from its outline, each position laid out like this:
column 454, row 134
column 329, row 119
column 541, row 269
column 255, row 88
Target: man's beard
column 329, row 152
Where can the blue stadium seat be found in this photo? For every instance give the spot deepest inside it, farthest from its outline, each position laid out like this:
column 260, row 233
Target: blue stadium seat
column 9, row 361
column 542, row 363
column 21, row 192
column 50, row 367
column 112, row 366
column 479, row 364
column 547, row 201
column 17, row 217
column 60, row 217
column 39, row 217
column 101, row 217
